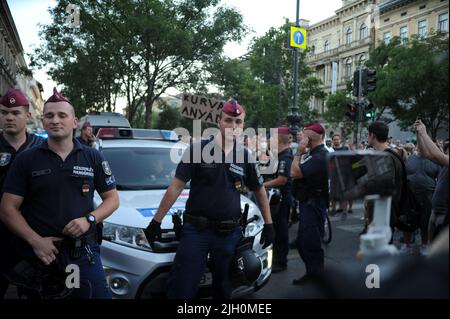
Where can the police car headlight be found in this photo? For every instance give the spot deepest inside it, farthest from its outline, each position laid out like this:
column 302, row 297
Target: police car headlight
column 124, row 235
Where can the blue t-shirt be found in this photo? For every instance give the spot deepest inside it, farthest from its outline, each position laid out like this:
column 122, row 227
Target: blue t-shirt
column 422, row 173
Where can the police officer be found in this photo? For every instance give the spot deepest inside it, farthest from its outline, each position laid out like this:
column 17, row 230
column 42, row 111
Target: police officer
column 282, row 181
column 87, row 135
column 313, row 170
column 53, row 186
column 14, row 113
column 211, row 219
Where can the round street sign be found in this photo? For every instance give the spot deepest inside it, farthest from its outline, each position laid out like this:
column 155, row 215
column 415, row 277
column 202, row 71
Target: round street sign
column 298, row 37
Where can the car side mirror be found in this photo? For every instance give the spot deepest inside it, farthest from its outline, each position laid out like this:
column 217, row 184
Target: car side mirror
column 357, row 174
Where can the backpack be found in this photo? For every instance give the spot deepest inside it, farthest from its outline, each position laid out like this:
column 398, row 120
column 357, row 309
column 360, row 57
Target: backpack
column 407, row 218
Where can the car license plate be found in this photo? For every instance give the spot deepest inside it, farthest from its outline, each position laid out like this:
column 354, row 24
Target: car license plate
column 206, row 279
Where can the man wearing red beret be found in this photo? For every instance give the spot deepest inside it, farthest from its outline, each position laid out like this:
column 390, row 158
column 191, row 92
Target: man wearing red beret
column 313, row 207
column 213, row 211
column 48, row 201
column 14, row 113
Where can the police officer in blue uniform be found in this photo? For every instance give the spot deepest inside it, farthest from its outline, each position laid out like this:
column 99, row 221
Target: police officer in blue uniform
column 14, row 113
column 313, row 208
column 282, row 181
column 48, row 199
column 219, row 170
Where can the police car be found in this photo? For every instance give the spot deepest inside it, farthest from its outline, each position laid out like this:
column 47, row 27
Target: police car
column 143, row 166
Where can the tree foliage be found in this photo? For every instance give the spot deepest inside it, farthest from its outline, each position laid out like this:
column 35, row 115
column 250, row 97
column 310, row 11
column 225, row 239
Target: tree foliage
column 412, row 80
column 134, row 49
column 263, row 80
column 336, row 108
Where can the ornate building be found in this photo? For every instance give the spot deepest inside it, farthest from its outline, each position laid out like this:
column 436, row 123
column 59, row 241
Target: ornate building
column 404, row 18
column 13, row 67
column 342, row 42
column 339, row 45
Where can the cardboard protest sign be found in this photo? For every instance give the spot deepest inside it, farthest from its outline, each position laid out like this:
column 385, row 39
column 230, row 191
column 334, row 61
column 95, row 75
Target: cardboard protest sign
column 201, row 108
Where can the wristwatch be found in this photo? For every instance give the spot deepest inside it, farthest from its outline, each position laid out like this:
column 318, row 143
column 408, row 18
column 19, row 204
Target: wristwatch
column 91, row 219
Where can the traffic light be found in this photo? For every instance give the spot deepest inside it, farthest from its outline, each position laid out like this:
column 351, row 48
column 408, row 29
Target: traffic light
column 369, row 112
column 352, row 112
column 369, row 81
column 356, row 83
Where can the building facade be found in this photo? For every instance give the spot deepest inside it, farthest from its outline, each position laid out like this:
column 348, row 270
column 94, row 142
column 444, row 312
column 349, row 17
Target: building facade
column 341, row 43
column 404, row 18
column 13, row 67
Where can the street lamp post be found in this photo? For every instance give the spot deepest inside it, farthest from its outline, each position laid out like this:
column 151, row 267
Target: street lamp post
column 294, row 117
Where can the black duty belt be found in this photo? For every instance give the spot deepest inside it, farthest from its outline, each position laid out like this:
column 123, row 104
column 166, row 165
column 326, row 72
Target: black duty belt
column 202, row 223
column 80, row 246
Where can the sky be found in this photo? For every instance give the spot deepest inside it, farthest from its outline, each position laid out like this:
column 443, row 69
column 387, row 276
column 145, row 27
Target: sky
column 259, row 15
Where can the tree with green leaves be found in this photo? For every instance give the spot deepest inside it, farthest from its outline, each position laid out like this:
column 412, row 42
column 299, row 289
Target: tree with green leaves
column 412, row 80
column 263, row 80
column 134, row 49
column 336, row 107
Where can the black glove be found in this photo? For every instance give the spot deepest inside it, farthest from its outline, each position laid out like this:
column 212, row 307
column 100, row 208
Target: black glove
column 153, row 232
column 267, row 236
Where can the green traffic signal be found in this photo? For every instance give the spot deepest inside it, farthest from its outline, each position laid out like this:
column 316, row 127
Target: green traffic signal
column 369, row 115
column 369, row 112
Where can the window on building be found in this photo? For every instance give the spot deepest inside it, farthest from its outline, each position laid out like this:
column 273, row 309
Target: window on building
column 387, row 37
column 348, row 36
column 361, row 59
column 422, row 28
column 404, row 34
column 348, row 67
column 326, row 46
column 443, row 22
column 363, row 31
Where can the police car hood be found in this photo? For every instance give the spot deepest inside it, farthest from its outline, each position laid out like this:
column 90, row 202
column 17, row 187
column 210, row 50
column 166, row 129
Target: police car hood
column 137, row 208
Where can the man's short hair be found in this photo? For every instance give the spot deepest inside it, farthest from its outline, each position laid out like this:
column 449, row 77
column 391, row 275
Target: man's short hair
column 336, row 134
column 380, row 130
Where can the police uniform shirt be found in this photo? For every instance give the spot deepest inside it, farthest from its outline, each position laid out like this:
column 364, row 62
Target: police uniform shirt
column 8, row 153
column 216, row 187
column 314, row 168
column 55, row 191
column 285, row 159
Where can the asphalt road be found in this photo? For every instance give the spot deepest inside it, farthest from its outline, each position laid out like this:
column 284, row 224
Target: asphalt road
column 339, row 253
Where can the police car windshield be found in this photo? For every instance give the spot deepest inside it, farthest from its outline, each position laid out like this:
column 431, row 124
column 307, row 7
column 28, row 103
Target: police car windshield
column 141, row 168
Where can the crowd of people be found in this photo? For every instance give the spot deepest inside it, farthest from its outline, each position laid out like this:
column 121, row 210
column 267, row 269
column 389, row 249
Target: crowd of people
column 48, row 186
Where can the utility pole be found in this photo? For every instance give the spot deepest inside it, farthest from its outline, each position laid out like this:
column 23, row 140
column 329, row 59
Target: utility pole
column 294, row 118
column 359, row 108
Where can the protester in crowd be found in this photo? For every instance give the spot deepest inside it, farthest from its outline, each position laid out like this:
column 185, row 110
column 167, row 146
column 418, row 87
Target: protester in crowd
column 428, row 149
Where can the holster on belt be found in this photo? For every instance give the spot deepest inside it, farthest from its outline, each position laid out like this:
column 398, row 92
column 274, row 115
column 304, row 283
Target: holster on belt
column 203, row 223
column 76, row 246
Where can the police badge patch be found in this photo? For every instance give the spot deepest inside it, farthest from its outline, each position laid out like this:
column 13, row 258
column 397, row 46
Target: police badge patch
column 106, row 168
column 5, row 158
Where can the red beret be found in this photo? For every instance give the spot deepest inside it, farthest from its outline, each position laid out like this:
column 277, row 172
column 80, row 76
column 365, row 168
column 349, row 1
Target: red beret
column 57, row 97
column 232, row 108
column 14, row 97
column 283, row 130
column 315, row 127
